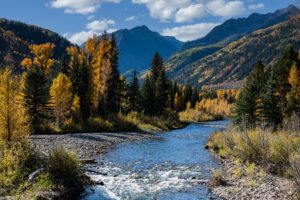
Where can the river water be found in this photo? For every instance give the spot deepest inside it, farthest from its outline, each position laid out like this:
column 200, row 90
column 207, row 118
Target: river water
column 176, row 166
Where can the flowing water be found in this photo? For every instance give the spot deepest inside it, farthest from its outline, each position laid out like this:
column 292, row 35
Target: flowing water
column 176, row 166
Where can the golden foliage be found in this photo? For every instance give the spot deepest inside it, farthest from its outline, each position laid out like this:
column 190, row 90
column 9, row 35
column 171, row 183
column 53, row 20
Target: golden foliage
column 13, row 120
column 42, row 55
column 294, row 80
column 61, row 93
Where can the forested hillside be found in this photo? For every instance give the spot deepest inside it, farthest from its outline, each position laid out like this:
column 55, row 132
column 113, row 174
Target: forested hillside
column 36, row 35
column 234, row 62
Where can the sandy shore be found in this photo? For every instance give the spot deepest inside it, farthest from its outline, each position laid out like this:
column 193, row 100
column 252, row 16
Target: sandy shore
column 86, row 145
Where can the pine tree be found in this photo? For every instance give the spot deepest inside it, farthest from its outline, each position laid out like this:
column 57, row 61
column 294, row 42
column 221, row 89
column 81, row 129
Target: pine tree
column 156, row 66
column 37, row 98
column 13, row 120
column 188, row 92
column 61, row 93
column 195, row 97
column 64, row 66
column 148, row 94
column 134, row 94
column 115, row 75
column 281, row 74
column 161, row 92
column 270, row 101
column 247, row 105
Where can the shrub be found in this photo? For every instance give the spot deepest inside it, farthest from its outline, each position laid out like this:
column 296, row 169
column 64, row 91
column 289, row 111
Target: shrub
column 64, row 168
column 217, row 178
column 17, row 161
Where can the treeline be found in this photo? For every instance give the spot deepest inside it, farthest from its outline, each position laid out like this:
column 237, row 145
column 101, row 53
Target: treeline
column 270, row 95
column 211, row 105
column 89, row 91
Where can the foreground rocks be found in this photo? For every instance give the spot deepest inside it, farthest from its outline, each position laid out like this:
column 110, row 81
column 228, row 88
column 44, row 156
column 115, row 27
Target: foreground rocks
column 263, row 187
column 86, row 145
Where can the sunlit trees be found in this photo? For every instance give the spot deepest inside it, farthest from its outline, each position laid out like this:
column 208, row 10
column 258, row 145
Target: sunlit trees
column 13, row 120
column 247, row 105
column 42, row 57
column 293, row 96
column 61, row 96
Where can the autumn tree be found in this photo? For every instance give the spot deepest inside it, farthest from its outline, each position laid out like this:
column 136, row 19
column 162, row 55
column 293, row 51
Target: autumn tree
column 13, row 120
column 42, row 57
column 293, row 96
column 61, row 93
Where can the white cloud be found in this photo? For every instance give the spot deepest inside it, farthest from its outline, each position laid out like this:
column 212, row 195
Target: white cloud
column 131, row 18
column 225, row 8
column 190, row 32
column 163, row 9
column 94, row 28
column 187, row 10
column 81, row 37
column 90, row 17
column 256, row 6
column 80, row 6
column 100, row 25
column 190, row 12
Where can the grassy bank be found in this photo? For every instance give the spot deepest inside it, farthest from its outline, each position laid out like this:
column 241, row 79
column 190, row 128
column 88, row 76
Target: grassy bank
column 133, row 121
column 59, row 172
column 259, row 151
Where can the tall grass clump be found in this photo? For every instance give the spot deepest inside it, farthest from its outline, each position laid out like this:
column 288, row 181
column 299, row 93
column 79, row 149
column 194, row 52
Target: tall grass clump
column 64, row 169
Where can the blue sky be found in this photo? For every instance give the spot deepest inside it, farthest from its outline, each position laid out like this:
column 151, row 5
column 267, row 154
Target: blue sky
column 185, row 19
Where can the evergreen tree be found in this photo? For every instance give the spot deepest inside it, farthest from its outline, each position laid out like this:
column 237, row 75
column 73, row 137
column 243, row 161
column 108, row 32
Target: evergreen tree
column 281, row 74
column 161, row 92
column 64, row 66
column 188, row 92
column 156, row 66
column 134, row 94
column 115, row 93
column 148, row 94
column 36, row 98
column 247, row 105
column 270, row 109
column 195, row 97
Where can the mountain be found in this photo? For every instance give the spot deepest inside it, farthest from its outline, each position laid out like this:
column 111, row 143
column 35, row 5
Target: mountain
column 233, row 63
column 138, row 45
column 12, row 49
column 36, row 35
column 223, row 35
column 234, row 29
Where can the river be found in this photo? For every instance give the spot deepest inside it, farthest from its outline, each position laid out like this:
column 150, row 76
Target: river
column 176, row 166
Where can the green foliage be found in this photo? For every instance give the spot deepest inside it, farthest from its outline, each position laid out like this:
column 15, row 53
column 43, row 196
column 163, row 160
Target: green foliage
column 133, row 94
column 64, row 168
column 36, row 99
column 148, row 93
column 17, row 161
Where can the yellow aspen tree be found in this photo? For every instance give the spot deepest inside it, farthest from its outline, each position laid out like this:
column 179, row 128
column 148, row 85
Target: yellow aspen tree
column 61, row 93
column 42, row 57
column 13, row 120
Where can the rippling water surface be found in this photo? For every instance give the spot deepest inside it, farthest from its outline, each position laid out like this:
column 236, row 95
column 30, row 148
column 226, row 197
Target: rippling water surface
column 176, row 166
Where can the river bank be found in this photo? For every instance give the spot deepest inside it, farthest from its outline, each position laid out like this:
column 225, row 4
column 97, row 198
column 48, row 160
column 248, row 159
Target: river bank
column 86, row 145
column 259, row 185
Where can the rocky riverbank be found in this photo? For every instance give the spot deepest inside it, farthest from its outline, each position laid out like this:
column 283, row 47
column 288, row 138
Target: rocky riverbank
column 257, row 185
column 86, row 145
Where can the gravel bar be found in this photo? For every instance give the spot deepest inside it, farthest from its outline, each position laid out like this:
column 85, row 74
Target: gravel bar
column 86, row 145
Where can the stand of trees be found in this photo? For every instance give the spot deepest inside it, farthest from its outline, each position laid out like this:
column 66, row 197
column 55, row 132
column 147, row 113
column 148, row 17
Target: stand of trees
column 271, row 95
